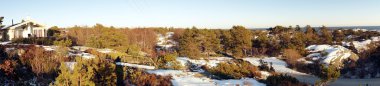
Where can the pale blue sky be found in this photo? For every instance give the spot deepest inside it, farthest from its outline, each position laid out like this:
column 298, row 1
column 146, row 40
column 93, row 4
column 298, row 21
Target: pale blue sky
column 200, row 13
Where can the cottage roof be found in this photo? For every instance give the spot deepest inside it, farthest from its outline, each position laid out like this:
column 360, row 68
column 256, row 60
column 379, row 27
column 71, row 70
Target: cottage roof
column 24, row 22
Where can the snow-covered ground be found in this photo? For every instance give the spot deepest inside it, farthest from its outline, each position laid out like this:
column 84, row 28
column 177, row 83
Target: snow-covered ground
column 135, row 65
column 239, row 82
column 87, row 55
column 4, row 43
column 181, row 78
column 280, row 66
column 80, row 48
column 362, row 45
column 70, row 65
column 277, row 64
column 82, row 54
column 330, row 54
column 84, row 48
column 50, row 48
column 211, row 62
column 186, row 78
column 79, row 51
column 164, row 40
column 105, row 50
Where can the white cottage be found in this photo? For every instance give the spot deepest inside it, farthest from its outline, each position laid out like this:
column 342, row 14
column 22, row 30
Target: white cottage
column 27, row 28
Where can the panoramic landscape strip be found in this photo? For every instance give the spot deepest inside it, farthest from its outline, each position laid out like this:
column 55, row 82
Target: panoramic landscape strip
column 189, row 43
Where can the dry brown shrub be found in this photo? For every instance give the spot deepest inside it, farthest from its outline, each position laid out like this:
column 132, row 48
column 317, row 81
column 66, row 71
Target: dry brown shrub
column 41, row 61
column 291, row 56
column 8, row 67
column 141, row 78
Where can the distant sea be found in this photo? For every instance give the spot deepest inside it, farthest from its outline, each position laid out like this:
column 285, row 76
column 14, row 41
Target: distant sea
column 358, row 27
column 347, row 27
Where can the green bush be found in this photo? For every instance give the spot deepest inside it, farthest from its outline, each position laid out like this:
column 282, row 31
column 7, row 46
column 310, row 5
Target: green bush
column 64, row 43
column 235, row 70
column 328, row 74
column 168, row 61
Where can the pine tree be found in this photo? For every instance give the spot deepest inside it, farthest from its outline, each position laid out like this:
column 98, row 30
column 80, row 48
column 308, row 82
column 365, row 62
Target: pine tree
column 215, row 41
column 104, row 72
column 226, row 41
column 81, row 75
column 311, row 35
column 64, row 78
column 326, row 35
column 328, row 74
column 188, row 45
column 104, row 37
column 204, row 41
column 211, row 42
column 310, row 30
column 298, row 40
column 261, row 43
column 1, row 21
column 298, row 28
column 286, row 40
column 242, row 41
column 338, row 36
column 278, row 29
column 275, row 46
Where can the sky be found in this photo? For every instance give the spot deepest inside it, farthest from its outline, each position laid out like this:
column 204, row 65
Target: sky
column 199, row 13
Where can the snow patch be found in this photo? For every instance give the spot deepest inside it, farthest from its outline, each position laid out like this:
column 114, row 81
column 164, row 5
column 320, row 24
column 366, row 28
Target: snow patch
column 362, row 45
column 165, row 41
column 277, row 64
column 181, row 78
column 105, row 50
column 135, row 65
column 330, row 54
column 211, row 62
column 241, row 82
column 50, row 48
column 70, row 65
column 4, row 43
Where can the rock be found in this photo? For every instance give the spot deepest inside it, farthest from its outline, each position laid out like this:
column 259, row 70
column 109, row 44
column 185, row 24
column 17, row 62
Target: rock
column 331, row 54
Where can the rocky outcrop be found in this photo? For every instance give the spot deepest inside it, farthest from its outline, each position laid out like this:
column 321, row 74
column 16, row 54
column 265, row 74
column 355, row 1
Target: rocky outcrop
column 331, row 54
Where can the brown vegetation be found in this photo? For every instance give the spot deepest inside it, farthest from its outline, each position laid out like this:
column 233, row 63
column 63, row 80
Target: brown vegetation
column 291, row 56
column 139, row 78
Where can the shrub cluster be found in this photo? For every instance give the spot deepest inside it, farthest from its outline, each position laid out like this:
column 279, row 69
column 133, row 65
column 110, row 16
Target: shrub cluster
column 235, row 70
column 291, row 56
column 283, row 80
column 328, row 74
column 139, row 78
column 168, row 61
column 38, row 41
column 26, row 62
column 265, row 66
